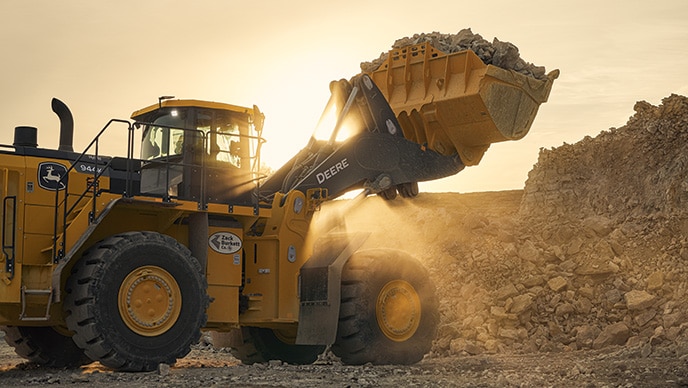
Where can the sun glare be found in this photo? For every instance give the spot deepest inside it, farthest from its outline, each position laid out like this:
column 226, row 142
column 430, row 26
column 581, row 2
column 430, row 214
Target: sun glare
column 328, row 123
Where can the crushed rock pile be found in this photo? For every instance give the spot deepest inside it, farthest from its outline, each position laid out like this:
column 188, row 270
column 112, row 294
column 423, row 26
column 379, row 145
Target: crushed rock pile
column 605, row 224
column 592, row 253
column 497, row 53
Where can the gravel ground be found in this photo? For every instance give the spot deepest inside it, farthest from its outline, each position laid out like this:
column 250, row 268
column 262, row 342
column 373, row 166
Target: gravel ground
column 205, row 366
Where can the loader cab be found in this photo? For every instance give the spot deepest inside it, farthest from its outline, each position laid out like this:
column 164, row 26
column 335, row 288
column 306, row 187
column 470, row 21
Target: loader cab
column 198, row 150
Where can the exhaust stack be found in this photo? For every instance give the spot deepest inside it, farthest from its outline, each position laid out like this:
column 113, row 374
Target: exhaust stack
column 66, row 125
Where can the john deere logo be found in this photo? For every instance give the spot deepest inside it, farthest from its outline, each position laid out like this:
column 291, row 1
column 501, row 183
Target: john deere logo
column 50, row 176
column 225, row 242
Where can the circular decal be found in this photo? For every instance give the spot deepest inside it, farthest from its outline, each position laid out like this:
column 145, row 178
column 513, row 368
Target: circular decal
column 225, row 242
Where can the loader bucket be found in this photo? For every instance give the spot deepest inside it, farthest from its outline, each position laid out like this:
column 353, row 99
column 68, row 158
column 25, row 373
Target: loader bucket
column 455, row 103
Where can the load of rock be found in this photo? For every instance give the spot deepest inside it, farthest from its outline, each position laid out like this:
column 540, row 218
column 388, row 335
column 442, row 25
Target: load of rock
column 592, row 253
column 497, row 53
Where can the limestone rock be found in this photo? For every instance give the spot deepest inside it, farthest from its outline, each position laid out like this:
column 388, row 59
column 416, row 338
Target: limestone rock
column 655, row 281
column 586, row 335
column 614, row 334
column 521, row 303
column 557, row 284
column 505, row 292
column 638, row 300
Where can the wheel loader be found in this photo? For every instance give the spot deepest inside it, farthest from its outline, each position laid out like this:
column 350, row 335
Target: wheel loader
column 126, row 260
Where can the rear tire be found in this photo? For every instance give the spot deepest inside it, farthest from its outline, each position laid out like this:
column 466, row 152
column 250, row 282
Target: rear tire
column 254, row 345
column 388, row 312
column 136, row 300
column 45, row 346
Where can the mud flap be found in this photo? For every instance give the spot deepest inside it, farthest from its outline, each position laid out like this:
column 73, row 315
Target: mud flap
column 320, row 288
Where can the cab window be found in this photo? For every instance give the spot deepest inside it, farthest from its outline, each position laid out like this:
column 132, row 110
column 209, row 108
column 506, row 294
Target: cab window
column 165, row 137
column 222, row 135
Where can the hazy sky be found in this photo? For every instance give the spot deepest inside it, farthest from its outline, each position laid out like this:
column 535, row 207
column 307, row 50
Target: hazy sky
column 106, row 59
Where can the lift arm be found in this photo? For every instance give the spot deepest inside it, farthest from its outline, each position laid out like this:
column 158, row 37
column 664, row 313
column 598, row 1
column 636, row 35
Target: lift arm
column 376, row 157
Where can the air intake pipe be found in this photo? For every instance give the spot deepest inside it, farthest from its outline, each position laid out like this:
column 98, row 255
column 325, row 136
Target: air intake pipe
column 66, row 125
column 25, row 137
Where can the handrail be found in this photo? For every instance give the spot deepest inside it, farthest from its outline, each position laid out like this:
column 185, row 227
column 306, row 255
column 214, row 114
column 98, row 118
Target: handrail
column 91, row 186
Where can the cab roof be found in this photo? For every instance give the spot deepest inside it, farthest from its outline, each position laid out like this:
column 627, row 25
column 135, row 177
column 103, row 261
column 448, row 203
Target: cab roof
column 191, row 104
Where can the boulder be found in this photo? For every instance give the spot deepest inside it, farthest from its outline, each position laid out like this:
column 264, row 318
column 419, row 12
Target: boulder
column 614, row 334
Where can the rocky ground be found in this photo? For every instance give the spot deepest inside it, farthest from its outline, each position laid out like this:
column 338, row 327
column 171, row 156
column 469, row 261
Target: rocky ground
column 580, row 279
column 206, row 367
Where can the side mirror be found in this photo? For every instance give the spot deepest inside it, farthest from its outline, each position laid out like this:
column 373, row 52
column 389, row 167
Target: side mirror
column 258, row 119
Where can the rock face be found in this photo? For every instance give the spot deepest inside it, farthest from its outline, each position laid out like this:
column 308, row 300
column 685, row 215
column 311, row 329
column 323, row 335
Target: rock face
column 633, row 172
column 592, row 253
column 497, row 53
column 610, row 214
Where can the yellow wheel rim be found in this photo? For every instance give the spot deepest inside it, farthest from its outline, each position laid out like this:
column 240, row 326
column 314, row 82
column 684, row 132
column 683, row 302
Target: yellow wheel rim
column 398, row 310
column 149, row 301
column 285, row 336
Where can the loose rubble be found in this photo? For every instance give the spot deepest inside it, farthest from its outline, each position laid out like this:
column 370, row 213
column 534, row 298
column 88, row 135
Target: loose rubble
column 497, row 53
column 610, row 216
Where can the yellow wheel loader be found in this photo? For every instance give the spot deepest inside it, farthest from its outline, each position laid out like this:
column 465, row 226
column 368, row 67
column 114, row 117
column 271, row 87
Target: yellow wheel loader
column 126, row 260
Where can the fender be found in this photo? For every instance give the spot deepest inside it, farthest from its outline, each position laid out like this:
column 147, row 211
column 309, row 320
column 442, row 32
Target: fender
column 320, row 287
column 60, row 268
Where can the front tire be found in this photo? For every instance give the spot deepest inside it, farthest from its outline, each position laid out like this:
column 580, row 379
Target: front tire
column 136, row 300
column 45, row 346
column 388, row 312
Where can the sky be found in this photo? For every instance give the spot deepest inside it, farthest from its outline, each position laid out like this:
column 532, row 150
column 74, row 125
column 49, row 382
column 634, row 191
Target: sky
column 106, row 59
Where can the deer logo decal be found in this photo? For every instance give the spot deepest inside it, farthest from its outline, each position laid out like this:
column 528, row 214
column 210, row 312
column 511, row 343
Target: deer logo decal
column 52, row 176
